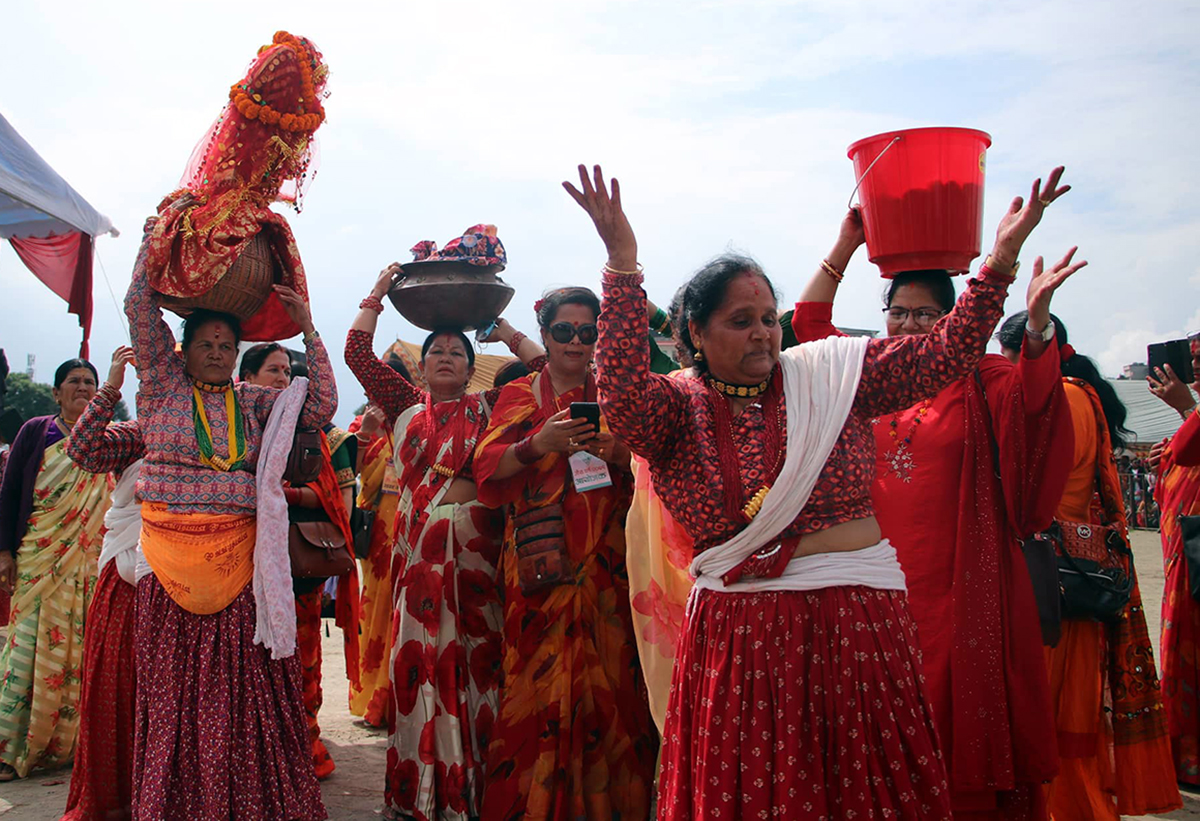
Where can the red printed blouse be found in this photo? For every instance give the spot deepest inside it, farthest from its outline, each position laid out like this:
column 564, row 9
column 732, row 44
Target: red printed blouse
column 672, row 423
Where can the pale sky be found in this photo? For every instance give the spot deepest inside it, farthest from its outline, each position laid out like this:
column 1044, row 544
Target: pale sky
column 727, row 123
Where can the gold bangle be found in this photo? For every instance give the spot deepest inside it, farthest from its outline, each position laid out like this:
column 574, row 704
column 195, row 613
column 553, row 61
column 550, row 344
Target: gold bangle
column 837, row 275
column 611, row 270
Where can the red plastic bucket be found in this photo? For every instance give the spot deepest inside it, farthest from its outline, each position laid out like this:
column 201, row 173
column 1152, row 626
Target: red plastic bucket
column 921, row 194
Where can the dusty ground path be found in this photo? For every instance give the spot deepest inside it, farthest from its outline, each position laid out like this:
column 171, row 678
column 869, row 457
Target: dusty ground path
column 355, row 790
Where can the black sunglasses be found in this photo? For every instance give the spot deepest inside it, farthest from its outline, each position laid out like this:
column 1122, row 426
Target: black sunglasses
column 564, row 332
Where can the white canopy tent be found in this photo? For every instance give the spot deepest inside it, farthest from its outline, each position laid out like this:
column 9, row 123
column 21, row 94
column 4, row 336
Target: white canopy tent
column 49, row 225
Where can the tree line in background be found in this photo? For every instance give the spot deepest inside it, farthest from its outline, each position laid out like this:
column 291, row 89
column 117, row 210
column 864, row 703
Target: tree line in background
column 31, row 399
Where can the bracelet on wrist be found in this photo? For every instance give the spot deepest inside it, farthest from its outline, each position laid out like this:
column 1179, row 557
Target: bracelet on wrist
column 372, row 303
column 608, row 269
column 525, row 452
column 310, row 336
column 834, row 273
column 515, row 341
column 661, row 322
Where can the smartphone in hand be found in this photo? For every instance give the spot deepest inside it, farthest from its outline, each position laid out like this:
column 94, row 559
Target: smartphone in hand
column 1176, row 353
column 587, row 410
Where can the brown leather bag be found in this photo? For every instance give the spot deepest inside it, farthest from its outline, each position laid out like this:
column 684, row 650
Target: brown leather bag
column 318, row 550
column 305, row 459
column 540, row 538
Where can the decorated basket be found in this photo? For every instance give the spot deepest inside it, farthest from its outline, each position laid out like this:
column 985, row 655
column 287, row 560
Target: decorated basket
column 243, row 290
column 451, row 294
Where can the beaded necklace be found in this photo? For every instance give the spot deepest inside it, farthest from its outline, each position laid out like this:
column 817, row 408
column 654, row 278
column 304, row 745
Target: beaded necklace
column 900, row 456
column 236, row 427
column 737, row 506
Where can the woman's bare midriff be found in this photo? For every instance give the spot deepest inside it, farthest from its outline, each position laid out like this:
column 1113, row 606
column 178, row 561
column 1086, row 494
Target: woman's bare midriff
column 843, row 538
column 460, row 492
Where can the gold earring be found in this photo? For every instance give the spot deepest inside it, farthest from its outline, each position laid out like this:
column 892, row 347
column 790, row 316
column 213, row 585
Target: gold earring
column 699, row 357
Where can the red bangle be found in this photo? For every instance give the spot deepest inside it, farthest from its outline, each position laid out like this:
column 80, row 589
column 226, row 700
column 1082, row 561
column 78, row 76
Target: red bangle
column 372, row 302
column 515, row 342
column 292, row 496
column 525, row 452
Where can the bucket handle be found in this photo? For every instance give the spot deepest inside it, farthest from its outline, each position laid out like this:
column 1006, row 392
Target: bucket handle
column 850, row 202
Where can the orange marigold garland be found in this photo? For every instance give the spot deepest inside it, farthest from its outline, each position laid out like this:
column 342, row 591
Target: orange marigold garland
column 311, row 114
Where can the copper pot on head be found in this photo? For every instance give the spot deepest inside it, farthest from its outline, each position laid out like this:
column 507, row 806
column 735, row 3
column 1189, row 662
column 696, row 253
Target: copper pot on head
column 443, row 294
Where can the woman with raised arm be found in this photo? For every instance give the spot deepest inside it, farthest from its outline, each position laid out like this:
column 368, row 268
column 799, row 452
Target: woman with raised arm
column 1108, row 710
column 797, row 686
column 102, row 773
column 51, row 517
column 446, row 650
column 1177, row 491
column 214, row 532
column 378, row 495
column 958, row 479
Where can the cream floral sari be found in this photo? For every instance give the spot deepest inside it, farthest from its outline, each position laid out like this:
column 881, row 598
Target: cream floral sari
column 56, row 572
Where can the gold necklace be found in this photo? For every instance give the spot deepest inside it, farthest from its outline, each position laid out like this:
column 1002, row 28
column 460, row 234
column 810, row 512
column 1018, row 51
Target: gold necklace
column 739, row 391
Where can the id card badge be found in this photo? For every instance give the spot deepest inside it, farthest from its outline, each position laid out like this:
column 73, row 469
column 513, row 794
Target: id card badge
column 391, row 482
column 589, row 472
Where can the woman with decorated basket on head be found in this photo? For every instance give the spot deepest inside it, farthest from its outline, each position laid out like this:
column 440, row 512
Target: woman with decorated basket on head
column 446, row 651
column 220, row 729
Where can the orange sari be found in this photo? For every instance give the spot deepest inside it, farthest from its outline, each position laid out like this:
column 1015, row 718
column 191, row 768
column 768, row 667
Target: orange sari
column 1122, row 765
column 573, row 737
column 369, row 695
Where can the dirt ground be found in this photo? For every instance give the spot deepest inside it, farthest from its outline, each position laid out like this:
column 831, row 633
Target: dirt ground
column 355, row 790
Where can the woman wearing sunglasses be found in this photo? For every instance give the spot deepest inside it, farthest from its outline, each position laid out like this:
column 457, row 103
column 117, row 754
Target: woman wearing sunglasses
column 955, row 525
column 446, row 653
column 574, row 737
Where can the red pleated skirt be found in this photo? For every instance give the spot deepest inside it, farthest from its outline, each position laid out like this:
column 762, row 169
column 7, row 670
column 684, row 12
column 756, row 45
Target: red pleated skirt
column 800, row 705
column 220, row 732
column 102, row 778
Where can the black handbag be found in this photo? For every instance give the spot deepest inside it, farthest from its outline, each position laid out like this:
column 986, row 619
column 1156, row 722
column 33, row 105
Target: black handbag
column 361, row 523
column 1092, row 590
column 1189, row 529
column 1038, row 550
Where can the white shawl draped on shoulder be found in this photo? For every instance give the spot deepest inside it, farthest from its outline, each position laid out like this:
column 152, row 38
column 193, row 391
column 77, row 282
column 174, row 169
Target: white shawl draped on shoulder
column 820, row 381
column 273, row 598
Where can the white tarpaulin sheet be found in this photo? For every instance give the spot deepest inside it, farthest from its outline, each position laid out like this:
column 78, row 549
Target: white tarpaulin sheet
column 34, row 200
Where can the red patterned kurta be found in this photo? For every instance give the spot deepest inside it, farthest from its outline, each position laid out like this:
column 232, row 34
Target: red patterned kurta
column 758, row 676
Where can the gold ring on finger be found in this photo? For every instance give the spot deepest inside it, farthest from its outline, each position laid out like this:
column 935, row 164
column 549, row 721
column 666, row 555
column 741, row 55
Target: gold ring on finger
column 1045, row 202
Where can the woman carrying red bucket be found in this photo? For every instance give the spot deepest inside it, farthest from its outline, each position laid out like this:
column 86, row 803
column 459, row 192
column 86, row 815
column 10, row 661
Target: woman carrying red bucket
column 959, row 477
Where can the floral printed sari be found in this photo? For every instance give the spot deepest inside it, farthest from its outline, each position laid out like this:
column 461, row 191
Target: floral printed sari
column 446, row 647
column 573, row 738
column 56, row 572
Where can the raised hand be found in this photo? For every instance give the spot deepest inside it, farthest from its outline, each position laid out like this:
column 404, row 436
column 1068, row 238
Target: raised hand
column 1043, row 285
column 372, row 421
column 387, row 278
column 608, row 217
column 121, row 357
column 1023, row 216
column 1168, row 387
column 296, row 308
